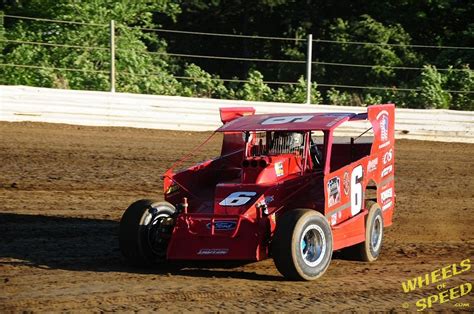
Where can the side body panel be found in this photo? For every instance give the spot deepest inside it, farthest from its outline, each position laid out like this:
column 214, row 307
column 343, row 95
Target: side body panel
column 345, row 189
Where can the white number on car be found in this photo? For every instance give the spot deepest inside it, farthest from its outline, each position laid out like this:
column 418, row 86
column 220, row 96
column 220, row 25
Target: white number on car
column 237, row 199
column 356, row 190
column 288, row 119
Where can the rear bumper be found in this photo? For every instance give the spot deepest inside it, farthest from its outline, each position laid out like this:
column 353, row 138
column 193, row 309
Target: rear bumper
column 217, row 237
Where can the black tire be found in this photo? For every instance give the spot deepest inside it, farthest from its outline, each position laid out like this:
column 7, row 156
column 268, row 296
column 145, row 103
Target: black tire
column 302, row 244
column 371, row 247
column 369, row 250
column 142, row 237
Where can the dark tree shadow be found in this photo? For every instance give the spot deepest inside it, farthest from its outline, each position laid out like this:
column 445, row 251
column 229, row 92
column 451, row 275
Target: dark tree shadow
column 83, row 244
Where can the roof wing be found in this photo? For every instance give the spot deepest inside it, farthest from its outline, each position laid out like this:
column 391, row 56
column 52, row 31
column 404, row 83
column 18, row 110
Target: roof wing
column 287, row 122
column 231, row 113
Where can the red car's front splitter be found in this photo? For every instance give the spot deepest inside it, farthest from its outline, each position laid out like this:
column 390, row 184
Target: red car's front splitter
column 217, row 237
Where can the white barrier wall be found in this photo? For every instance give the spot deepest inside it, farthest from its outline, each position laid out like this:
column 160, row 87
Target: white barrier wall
column 20, row 103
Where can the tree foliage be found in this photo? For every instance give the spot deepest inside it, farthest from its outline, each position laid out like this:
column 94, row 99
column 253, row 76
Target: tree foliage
column 89, row 66
column 431, row 93
column 144, row 64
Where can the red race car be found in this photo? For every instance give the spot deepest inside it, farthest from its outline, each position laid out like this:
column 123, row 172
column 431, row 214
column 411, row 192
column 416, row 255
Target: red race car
column 285, row 186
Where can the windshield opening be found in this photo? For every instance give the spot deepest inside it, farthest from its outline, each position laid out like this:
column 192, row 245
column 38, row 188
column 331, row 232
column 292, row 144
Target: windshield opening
column 268, row 143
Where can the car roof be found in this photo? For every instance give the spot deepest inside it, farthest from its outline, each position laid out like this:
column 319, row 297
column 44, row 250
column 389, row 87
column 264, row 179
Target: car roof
column 287, row 122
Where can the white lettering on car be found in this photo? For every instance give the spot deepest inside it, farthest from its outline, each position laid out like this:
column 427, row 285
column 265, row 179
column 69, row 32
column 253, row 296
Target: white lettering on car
column 387, row 157
column 287, row 119
column 237, row 199
column 387, row 170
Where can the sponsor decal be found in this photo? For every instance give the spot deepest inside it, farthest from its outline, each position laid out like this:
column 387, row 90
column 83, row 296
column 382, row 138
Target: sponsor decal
column 237, row 199
column 213, row 252
column 384, row 128
column 279, row 169
column 383, row 120
column 387, row 157
column 346, row 181
column 223, row 225
column 387, row 170
column 372, row 166
column 333, row 219
column 387, row 206
column 334, row 191
column 386, row 195
column 382, row 117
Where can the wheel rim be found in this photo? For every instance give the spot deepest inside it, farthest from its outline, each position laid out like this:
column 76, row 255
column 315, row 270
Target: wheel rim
column 377, row 229
column 157, row 239
column 313, row 245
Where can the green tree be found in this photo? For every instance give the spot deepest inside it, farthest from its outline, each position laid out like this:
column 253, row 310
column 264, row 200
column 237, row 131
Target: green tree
column 382, row 57
column 143, row 65
column 297, row 93
column 463, row 81
column 255, row 88
column 138, row 70
column 202, row 84
column 432, row 94
column 338, row 98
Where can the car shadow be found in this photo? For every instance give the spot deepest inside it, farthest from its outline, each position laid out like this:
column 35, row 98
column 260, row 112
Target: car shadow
column 84, row 244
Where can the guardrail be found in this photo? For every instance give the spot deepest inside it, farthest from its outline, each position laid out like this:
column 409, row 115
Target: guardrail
column 21, row 103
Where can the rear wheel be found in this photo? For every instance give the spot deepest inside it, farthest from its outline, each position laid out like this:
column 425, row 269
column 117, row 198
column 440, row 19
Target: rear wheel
column 369, row 250
column 302, row 245
column 145, row 230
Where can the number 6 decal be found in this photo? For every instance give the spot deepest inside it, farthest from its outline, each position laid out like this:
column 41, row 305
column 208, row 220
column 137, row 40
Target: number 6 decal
column 237, row 199
column 287, row 119
column 356, row 190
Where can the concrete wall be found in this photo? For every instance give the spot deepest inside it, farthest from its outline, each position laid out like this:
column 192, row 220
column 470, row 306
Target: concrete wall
column 20, row 103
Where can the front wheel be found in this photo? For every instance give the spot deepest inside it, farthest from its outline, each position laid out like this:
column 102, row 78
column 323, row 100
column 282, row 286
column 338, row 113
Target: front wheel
column 302, row 245
column 145, row 230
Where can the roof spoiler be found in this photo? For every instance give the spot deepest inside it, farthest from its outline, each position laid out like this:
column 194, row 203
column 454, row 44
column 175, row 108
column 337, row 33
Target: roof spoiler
column 231, row 113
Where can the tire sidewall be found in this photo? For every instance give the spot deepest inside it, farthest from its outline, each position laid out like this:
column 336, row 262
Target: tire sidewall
column 304, row 270
column 133, row 231
column 163, row 209
column 375, row 213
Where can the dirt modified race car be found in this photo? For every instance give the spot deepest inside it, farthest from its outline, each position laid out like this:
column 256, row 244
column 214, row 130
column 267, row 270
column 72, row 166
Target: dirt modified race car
column 284, row 186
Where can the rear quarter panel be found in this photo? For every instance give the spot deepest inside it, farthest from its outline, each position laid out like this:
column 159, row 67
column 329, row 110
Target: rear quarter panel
column 345, row 188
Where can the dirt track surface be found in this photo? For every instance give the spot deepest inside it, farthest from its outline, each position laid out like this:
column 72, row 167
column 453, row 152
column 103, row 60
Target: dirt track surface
column 63, row 190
